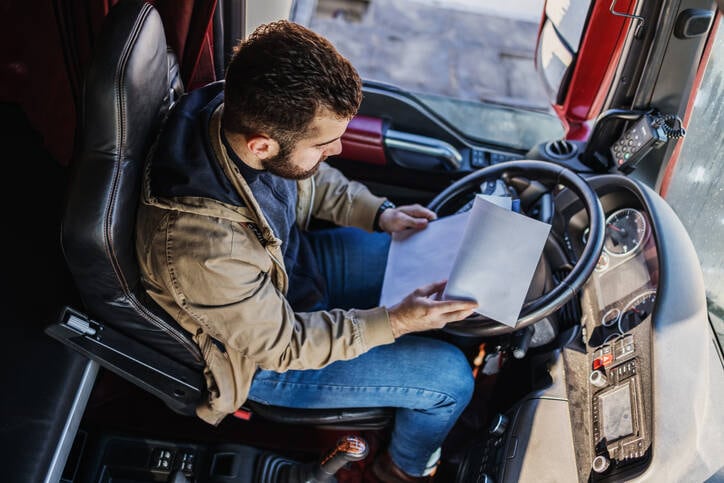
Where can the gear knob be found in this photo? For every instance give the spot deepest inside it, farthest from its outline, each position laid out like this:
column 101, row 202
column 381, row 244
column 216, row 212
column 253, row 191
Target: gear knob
column 348, row 448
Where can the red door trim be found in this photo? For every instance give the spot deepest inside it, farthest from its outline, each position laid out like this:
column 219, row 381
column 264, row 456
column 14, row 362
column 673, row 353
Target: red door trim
column 595, row 67
column 363, row 141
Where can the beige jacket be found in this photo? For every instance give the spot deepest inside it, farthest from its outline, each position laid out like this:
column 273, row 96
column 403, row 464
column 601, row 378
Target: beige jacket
column 218, row 270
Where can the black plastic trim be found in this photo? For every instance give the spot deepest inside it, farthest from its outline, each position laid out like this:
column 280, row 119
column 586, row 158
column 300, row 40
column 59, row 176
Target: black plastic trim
column 180, row 387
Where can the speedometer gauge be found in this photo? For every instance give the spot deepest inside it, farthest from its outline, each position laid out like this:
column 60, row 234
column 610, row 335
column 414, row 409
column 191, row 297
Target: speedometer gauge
column 636, row 311
column 625, row 230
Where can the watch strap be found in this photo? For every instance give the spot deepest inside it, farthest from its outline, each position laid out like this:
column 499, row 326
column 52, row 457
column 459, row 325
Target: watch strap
column 384, row 206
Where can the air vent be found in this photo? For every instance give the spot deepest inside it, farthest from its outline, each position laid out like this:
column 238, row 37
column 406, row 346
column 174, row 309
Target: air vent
column 560, row 149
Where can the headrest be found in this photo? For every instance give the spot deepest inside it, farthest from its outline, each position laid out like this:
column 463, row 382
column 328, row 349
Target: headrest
column 126, row 81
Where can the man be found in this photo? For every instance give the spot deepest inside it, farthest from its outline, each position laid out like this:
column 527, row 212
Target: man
column 282, row 315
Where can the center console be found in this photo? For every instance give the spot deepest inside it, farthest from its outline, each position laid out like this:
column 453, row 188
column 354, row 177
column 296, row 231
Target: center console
column 617, row 304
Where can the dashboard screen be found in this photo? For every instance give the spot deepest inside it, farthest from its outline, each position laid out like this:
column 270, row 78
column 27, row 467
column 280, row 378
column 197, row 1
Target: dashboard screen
column 616, row 413
column 622, row 281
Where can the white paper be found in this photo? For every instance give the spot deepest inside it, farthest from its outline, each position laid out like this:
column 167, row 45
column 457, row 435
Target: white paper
column 488, row 254
column 421, row 257
column 496, row 261
column 502, row 201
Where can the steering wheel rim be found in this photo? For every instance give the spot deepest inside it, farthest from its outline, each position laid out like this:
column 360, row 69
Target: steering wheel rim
column 540, row 307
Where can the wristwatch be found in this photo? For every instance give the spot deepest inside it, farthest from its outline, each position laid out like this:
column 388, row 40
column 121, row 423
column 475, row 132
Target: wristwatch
column 385, row 205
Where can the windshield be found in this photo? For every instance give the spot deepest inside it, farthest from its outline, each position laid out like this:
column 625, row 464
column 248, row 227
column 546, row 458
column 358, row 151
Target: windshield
column 469, row 61
column 486, row 122
column 696, row 192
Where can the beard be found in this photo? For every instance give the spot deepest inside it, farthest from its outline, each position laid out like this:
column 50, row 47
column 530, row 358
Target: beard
column 281, row 165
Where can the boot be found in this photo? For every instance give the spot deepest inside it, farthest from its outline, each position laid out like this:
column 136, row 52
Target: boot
column 386, row 471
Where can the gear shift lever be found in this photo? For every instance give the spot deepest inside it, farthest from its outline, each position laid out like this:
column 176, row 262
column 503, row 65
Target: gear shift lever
column 348, row 448
column 275, row 469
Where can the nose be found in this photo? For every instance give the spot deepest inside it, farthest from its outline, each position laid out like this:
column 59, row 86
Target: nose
column 334, row 149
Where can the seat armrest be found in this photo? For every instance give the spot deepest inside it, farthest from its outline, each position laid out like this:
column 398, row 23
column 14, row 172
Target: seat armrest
column 179, row 386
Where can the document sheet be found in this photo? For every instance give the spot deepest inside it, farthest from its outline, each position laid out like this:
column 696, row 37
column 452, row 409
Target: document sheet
column 488, row 254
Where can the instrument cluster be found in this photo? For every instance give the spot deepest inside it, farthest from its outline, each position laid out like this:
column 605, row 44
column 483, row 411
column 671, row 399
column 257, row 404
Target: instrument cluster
column 623, row 281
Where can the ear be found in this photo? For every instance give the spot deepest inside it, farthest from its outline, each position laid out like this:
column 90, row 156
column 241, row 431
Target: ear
column 262, row 146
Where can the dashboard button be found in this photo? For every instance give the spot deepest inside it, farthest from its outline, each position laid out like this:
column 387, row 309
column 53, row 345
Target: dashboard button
column 598, row 378
column 600, row 464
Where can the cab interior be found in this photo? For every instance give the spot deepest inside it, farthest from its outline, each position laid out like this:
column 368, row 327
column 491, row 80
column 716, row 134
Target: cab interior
column 612, row 373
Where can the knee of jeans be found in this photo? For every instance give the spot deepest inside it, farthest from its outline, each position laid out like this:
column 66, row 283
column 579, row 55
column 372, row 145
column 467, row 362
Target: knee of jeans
column 456, row 376
column 465, row 384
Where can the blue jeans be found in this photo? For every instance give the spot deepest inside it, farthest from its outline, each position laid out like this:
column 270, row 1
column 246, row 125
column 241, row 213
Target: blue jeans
column 429, row 381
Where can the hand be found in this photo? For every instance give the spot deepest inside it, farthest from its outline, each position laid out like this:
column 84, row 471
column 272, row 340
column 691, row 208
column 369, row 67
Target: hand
column 406, row 216
column 418, row 312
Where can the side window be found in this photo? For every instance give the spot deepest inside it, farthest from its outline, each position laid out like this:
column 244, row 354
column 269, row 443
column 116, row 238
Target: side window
column 696, row 189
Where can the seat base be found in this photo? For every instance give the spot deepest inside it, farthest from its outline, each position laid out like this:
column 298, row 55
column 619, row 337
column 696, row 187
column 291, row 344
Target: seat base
column 338, row 418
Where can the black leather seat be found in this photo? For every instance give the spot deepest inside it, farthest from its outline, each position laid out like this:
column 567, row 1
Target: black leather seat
column 131, row 83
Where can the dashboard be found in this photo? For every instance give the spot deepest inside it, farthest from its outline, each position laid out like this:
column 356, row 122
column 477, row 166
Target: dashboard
column 626, row 393
column 613, row 376
column 637, row 373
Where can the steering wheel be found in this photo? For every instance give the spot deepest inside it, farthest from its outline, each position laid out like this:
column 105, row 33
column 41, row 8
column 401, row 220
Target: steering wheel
column 547, row 173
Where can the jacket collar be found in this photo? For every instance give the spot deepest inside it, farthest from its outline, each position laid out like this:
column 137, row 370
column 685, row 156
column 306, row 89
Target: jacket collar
column 237, row 180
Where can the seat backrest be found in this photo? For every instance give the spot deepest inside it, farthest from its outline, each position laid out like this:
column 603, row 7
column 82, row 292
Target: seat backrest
column 126, row 94
column 129, row 87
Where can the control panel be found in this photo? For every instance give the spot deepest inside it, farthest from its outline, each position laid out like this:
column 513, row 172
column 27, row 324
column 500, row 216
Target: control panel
column 620, row 432
column 619, row 300
column 168, row 459
column 480, row 158
column 645, row 135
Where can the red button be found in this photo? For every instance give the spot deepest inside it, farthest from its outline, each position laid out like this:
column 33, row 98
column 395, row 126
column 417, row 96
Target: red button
column 242, row 414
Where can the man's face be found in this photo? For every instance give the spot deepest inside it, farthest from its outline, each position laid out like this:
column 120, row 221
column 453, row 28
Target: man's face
column 301, row 159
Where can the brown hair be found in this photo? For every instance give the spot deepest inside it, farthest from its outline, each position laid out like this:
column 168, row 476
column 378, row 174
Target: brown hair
column 280, row 77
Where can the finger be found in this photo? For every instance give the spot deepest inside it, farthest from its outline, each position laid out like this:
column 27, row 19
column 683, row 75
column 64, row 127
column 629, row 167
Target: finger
column 454, row 317
column 448, row 306
column 429, row 289
column 408, row 221
column 419, row 211
column 459, row 315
